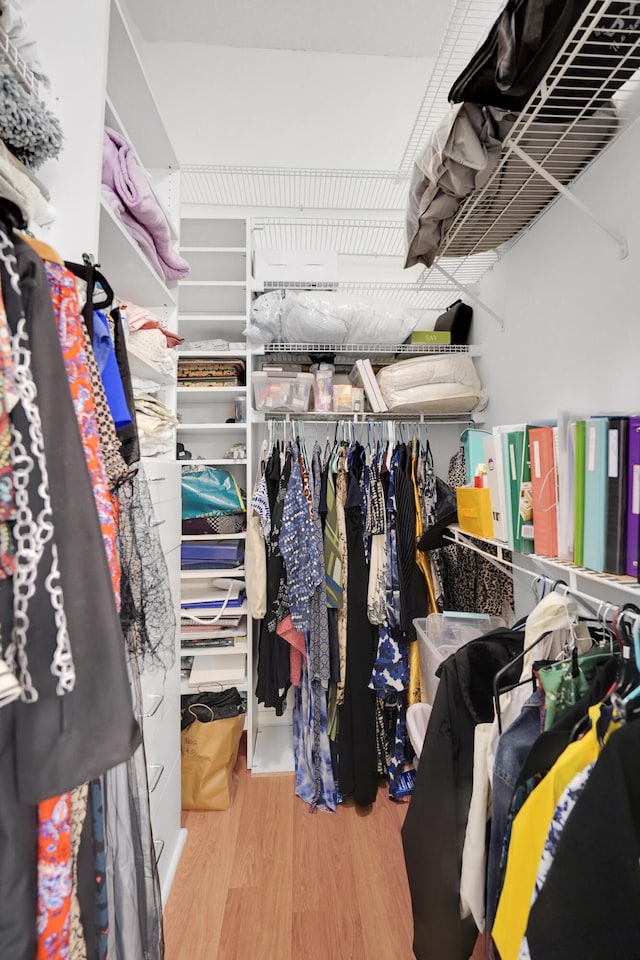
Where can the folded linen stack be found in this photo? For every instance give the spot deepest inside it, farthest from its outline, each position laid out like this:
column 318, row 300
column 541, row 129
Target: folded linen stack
column 156, row 424
column 210, row 373
column 126, row 189
column 153, row 361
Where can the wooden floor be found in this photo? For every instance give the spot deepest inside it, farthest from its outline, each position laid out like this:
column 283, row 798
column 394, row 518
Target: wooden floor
column 267, row 880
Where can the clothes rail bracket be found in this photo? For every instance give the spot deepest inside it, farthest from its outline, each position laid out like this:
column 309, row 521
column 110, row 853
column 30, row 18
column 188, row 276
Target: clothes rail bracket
column 466, row 291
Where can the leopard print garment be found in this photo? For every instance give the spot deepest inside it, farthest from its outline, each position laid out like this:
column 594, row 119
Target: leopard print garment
column 471, row 583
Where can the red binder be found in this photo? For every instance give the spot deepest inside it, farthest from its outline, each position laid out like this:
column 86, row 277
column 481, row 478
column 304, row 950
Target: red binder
column 544, row 491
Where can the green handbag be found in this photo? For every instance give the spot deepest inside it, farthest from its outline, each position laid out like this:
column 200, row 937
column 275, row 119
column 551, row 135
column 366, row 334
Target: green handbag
column 565, row 682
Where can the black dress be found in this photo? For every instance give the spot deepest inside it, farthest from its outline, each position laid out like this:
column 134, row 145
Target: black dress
column 357, row 737
column 274, row 670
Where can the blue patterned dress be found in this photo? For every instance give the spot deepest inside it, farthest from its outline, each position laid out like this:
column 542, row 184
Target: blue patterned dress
column 303, row 551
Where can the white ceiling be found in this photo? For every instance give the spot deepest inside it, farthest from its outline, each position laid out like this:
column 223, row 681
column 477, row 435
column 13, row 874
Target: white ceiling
column 392, row 28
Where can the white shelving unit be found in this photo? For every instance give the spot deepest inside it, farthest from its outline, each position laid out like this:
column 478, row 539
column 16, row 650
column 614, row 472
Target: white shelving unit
column 132, row 274
column 131, row 109
column 213, row 305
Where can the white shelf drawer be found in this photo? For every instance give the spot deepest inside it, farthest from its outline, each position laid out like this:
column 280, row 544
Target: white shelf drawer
column 160, row 711
column 163, row 477
column 168, row 523
column 162, row 751
column 156, row 680
column 165, row 822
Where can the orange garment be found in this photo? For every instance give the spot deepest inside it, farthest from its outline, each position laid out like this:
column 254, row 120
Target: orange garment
column 64, row 296
column 55, row 868
column 297, row 648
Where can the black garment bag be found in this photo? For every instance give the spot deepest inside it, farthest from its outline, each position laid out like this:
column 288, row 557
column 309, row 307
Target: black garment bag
column 526, row 39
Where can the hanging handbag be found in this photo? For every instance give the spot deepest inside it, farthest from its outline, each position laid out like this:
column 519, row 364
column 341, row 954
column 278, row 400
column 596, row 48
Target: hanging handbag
column 210, row 492
column 209, row 750
column 457, row 321
column 221, row 703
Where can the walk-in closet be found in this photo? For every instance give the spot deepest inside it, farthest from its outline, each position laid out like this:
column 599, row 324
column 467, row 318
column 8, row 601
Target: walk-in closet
column 319, row 480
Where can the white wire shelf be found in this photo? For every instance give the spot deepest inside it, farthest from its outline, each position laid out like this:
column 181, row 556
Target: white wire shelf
column 470, row 21
column 369, row 349
column 348, row 237
column 296, row 187
column 358, row 189
column 313, row 416
column 604, row 579
column 567, row 123
column 564, row 568
column 361, row 237
column 431, row 295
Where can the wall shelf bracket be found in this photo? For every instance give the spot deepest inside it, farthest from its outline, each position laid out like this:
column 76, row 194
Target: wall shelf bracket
column 621, row 243
column 470, row 296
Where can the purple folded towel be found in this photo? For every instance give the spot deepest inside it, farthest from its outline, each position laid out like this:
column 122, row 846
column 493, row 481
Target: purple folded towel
column 130, row 196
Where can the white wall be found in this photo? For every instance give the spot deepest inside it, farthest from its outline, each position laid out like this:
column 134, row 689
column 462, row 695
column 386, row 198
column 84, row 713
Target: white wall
column 76, row 97
column 228, row 105
column 571, row 307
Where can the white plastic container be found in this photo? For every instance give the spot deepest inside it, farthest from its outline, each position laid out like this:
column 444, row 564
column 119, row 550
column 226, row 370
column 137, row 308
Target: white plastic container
column 279, row 391
column 322, row 386
column 440, row 635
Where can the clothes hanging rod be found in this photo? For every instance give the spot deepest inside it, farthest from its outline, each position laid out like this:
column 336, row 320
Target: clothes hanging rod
column 336, row 417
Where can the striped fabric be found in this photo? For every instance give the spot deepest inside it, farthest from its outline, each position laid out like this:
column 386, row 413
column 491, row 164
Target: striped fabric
column 332, row 552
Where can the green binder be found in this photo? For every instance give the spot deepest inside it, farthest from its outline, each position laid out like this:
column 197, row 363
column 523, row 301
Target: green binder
column 515, row 444
column 525, row 498
column 580, row 450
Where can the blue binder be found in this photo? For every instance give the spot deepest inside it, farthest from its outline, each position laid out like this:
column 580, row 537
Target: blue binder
column 595, row 493
column 473, row 443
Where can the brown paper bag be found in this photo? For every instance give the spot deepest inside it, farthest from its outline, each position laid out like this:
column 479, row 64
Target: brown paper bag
column 209, row 754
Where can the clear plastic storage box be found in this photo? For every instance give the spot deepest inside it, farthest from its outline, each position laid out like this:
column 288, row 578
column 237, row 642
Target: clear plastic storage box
column 440, row 635
column 282, row 391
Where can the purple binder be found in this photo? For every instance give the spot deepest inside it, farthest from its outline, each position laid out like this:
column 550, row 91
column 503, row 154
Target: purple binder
column 633, row 498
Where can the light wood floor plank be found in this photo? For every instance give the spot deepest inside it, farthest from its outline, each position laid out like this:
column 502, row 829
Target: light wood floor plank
column 271, row 881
